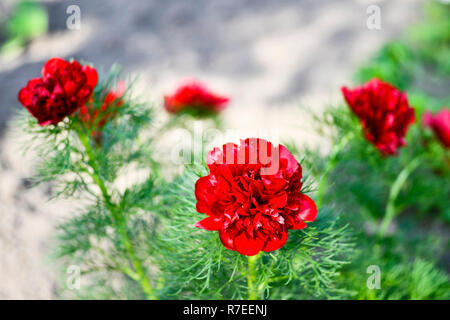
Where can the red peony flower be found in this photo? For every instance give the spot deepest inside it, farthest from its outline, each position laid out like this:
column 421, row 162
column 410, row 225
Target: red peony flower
column 384, row 112
column 63, row 89
column 440, row 124
column 97, row 117
column 252, row 196
column 194, row 96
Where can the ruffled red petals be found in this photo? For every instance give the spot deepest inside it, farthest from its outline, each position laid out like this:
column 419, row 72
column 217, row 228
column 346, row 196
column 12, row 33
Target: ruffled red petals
column 384, row 113
column 194, row 96
column 252, row 196
column 63, row 89
column 440, row 124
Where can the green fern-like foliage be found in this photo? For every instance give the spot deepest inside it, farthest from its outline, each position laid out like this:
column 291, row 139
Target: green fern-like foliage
column 410, row 264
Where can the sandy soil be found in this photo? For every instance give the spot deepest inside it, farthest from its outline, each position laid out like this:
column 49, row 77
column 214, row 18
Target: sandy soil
column 269, row 56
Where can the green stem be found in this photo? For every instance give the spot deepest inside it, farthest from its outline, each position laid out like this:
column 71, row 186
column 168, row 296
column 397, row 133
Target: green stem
column 253, row 292
column 118, row 217
column 330, row 165
column 396, row 187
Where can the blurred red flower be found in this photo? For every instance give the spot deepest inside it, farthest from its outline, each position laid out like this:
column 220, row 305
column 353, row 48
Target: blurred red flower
column 440, row 124
column 97, row 117
column 194, row 96
column 63, row 89
column 384, row 112
column 252, row 196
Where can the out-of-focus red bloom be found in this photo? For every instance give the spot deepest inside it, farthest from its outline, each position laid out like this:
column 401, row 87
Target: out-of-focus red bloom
column 384, row 112
column 62, row 90
column 97, row 117
column 194, row 96
column 440, row 124
column 252, row 196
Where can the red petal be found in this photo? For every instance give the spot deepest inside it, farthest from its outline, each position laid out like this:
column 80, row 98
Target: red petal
column 91, row 75
column 25, row 97
column 275, row 244
column 287, row 161
column 308, row 211
column 348, row 95
column 274, row 184
column 169, row 105
column 389, row 121
column 70, row 87
column 45, row 123
column 210, row 223
column 226, row 239
column 247, row 246
column 298, row 224
column 279, row 200
column 52, row 65
column 205, row 195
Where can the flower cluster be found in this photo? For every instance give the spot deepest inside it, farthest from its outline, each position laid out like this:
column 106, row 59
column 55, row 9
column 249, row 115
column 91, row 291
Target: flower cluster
column 253, row 193
column 194, row 96
column 384, row 113
column 252, row 196
column 440, row 124
column 63, row 89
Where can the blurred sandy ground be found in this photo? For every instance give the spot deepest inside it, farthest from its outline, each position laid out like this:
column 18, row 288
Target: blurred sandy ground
column 269, row 56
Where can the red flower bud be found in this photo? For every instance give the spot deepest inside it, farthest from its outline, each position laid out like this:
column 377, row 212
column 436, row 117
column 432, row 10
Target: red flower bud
column 252, row 196
column 97, row 117
column 194, row 96
column 64, row 88
column 440, row 124
column 384, row 113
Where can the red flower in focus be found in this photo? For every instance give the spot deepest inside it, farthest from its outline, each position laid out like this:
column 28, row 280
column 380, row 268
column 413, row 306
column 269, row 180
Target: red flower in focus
column 63, row 89
column 97, row 117
column 194, row 96
column 440, row 124
column 384, row 112
column 252, row 196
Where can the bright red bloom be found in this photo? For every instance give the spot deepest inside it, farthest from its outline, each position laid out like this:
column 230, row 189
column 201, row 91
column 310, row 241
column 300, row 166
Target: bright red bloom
column 440, row 124
column 384, row 112
column 97, row 117
column 63, row 89
column 252, row 196
column 194, row 96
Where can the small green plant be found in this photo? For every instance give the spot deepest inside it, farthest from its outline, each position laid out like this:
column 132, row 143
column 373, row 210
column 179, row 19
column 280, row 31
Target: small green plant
column 28, row 21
